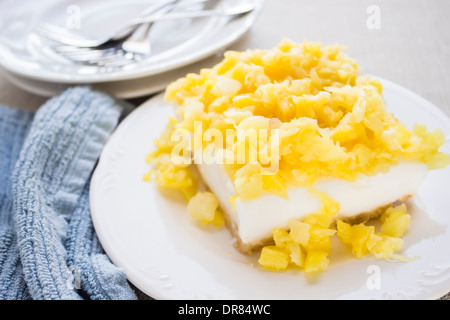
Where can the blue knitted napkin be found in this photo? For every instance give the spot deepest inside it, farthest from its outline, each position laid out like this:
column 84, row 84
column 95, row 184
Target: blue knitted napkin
column 48, row 246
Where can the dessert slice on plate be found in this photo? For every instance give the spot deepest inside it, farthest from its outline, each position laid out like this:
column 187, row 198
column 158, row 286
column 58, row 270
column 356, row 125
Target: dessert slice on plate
column 289, row 141
column 252, row 221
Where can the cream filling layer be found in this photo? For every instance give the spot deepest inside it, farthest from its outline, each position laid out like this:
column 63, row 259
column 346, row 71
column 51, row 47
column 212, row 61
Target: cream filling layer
column 255, row 219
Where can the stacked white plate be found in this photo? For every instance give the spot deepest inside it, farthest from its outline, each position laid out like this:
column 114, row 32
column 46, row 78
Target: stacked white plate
column 178, row 47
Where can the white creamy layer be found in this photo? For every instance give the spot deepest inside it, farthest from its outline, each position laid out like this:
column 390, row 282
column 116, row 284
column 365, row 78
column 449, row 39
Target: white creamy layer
column 255, row 219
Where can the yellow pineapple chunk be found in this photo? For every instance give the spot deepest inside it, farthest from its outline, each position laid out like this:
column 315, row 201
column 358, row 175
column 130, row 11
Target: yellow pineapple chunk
column 218, row 219
column 344, row 231
column 355, row 236
column 296, row 253
column 383, row 246
column 203, row 206
column 249, row 181
column 274, row 258
column 395, row 221
column 321, row 220
column 299, row 232
column 283, row 241
column 273, row 184
column 320, row 239
column 147, row 177
column 226, row 87
column 280, row 237
column 316, row 261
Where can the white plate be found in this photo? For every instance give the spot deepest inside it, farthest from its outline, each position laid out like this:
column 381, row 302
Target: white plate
column 175, row 43
column 124, row 89
column 168, row 256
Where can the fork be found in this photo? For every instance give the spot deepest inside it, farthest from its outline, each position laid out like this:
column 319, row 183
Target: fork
column 66, row 37
column 111, row 53
column 134, row 48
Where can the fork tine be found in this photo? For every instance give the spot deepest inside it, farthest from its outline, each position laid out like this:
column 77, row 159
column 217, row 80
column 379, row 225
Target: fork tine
column 75, row 51
column 53, row 32
column 85, row 55
column 67, row 37
column 111, row 57
column 115, row 61
column 64, row 36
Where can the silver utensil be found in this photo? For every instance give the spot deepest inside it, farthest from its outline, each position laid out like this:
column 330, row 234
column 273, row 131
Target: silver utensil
column 139, row 43
column 137, row 46
column 238, row 10
column 133, row 48
column 70, row 38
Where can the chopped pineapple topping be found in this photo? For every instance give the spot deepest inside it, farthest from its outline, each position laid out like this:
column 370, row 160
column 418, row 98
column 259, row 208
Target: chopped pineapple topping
column 307, row 244
column 331, row 122
column 204, row 207
column 395, row 221
column 363, row 239
column 274, row 258
column 321, row 120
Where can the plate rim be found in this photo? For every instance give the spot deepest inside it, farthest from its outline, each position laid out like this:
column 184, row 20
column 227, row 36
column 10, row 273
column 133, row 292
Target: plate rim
column 150, row 85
